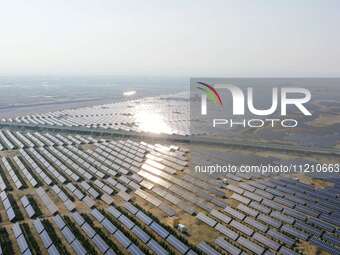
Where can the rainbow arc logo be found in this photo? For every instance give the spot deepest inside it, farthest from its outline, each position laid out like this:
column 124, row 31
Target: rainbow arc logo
column 211, row 93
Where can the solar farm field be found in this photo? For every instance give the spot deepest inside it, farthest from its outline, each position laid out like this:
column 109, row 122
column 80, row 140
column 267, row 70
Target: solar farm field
column 77, row 194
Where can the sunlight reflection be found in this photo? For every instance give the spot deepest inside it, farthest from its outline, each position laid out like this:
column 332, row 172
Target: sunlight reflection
column 129, row 93
column 152, row 122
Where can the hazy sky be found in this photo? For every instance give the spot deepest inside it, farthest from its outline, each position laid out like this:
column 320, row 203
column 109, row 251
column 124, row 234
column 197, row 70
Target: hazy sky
column 172, row 38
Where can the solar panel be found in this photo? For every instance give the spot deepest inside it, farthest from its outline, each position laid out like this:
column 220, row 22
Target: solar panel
column 234, row 213
column 113, row 211
column 89, row 231
column 134, row 250
column 321, row 224
column 10, row 214
column 141, row 234
column 331, row 205
column 69, row 205
column 272, row 204
column 333, row 219
column 124, row 179
column 167, row 209
column 264, row 194
column 209, row 221
column 282, row 217
column 126, row 221
column 6, row 204
column 162, row 232
column 30, row 211
column 125, row 196
column 78, row 248
column 219, row 202
column 131, row 208
column 107, row 189
column 69, row 236
column 47, row 242
column 235, row 189
column 53, row 209
column 62, row 196
column 3, row 195
column 133, row 185
column 269, row 220
column 144, row 218
column 27, row 252
column 109, row 226
column 295, row 214
column 226, row 231
column 99, row 183
column 24, row 201
column 252, row 196
column 89, row 201
column 100, row 243
column 3, row 186
column 307, row 228
column 281, row 237
column 205, row 205
column 16, row 230
column 255, row 248
column 78, row 194
column 294, row 232
column 22, row 243
column 243, row 228
column 98, row 215
column 247, row 210
column 110, row 252
column 285, row 190
column 296, row 199
column 78, row 218
column 307, row 210
column 59, row 221
column 107, row 199
column 137, row 178
column 324, row 246
column 207, row 249
column 258, row 185
column 247, row 187
column 228, row 247
column 38, row 226
column 179, row 245
column 240, row 198
column 331, row 238
column 171, row 198
column 256, row 224
column 284, row 201
column 85, row 185
column 56, row 189
column 146, row 184
column 266, row 241
column 53, row 250
column 286, row 251
column 122, row 239
column 159, row 250
column 221, row 216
